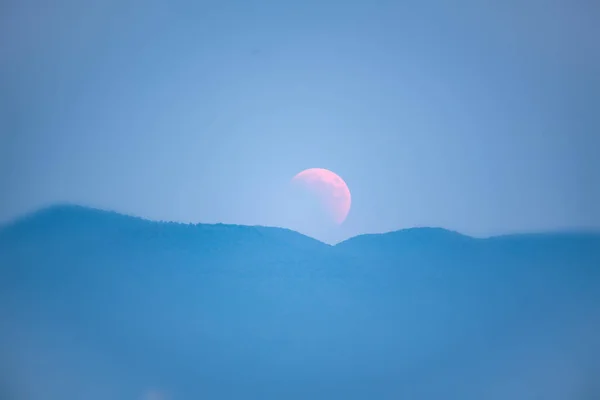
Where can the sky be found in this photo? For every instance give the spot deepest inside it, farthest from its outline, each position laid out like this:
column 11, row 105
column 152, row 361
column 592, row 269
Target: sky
column 476, row 116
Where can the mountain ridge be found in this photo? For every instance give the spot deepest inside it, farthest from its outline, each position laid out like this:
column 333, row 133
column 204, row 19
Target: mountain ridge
column 72, row 212
column 229, row 311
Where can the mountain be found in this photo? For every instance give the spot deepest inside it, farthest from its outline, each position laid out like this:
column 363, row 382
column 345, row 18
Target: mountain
column 99, row 305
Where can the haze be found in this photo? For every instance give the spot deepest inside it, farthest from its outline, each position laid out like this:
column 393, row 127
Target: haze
column 147, row 150
column 476, row 117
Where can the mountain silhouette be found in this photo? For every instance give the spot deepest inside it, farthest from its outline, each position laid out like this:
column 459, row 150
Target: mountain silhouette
column 99, row 305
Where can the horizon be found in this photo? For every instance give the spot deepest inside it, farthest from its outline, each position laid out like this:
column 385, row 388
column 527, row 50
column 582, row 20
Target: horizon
column 33, row 213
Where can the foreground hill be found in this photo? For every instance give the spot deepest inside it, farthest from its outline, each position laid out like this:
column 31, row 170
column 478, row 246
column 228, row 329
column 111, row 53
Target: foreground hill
column 98, row 305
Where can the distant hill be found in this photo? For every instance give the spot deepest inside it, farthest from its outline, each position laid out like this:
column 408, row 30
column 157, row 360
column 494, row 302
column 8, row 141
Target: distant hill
column 98, row 305
column 77, row 220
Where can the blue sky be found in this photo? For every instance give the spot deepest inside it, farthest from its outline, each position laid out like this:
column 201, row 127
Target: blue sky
column 470, row 115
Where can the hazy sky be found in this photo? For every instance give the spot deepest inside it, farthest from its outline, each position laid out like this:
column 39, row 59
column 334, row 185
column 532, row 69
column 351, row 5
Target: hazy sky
column 483, row 117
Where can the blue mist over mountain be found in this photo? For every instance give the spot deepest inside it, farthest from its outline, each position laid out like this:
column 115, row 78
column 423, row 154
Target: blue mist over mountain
column 99, row 305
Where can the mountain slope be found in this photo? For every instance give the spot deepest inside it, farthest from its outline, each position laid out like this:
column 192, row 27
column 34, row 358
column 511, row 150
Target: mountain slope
column 99, row 305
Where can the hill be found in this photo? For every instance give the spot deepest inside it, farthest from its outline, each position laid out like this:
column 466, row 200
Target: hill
column 99, row 305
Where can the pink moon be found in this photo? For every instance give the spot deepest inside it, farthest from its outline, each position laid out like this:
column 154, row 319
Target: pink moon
column 330, row 188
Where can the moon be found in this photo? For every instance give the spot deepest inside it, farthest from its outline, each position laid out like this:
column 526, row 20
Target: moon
column 331, row 190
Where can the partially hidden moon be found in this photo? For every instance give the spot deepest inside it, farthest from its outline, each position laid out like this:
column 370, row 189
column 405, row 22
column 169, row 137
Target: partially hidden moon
column 331, row 190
